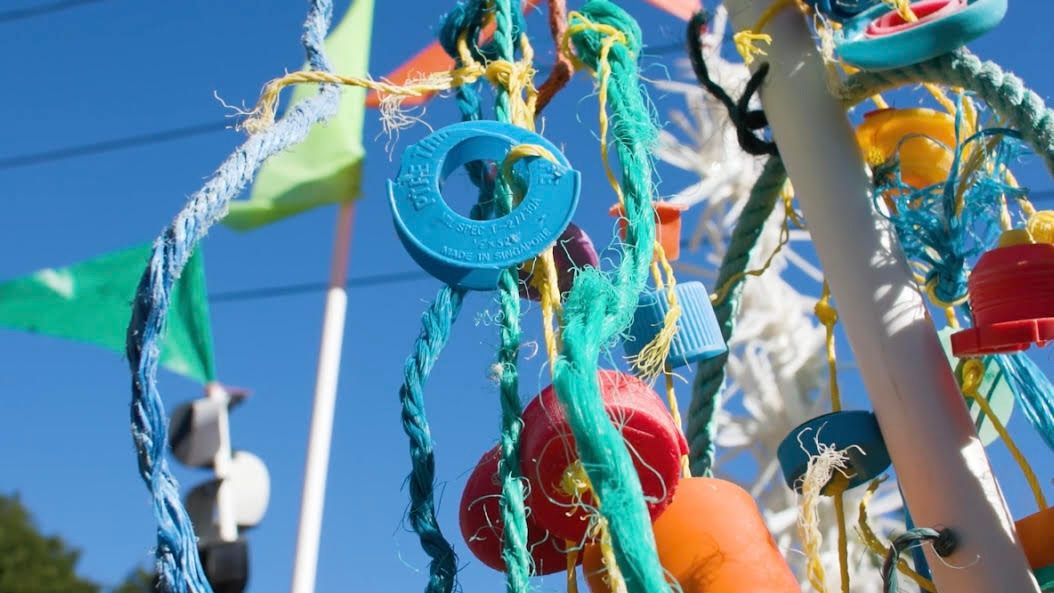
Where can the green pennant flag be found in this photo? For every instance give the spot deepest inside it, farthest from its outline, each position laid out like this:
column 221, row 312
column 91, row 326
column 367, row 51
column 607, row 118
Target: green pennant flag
column 91, row 301
column 326, row 168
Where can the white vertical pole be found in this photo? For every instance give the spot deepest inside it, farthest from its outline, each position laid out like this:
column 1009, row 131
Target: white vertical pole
column 943, row 470
column 313, row 495
column 225, row 520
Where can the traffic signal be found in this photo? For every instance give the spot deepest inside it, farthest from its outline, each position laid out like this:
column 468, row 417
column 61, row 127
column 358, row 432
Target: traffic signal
column 234, row 499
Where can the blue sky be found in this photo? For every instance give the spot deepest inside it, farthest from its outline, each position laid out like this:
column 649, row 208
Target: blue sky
column 117, row 68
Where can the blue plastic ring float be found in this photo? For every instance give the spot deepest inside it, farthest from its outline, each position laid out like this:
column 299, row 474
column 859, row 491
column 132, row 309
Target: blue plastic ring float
column 879, row 39
column 856, row 432
column 471, row 254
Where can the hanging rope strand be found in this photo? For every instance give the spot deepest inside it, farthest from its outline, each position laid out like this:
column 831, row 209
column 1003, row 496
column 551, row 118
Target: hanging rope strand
column 178, row 566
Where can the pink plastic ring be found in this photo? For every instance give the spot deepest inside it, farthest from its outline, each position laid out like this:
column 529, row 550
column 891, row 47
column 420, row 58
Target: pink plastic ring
column 927, row 11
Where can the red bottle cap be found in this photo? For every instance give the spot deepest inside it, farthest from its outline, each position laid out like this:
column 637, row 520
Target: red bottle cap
column 1012, row 296
column 483, row 528
column 547, row 451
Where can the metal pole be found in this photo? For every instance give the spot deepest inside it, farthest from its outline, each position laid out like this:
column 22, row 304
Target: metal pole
column 313, row 496
column 941, row 465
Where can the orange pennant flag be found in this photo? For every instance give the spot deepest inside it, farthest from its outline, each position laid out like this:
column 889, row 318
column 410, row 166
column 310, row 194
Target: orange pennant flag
column 430, row 59
column 434, row 59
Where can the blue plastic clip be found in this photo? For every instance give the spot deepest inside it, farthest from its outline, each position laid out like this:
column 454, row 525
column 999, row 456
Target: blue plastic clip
column 855, row 432
column 470, row 254
column 879, row 39
column 698, row 335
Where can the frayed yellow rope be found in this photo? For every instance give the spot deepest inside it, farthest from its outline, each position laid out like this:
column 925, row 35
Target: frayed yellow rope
column 516, row 77
column 746, row 41
column 675, row 413
column 821, row 470
column 722, row 293
column 603, row 74
column 904, row 8
column 838, row 488
column 828, row 317
column 650, row 362
column 575, row 483
column 878, row 548
column 972, row 377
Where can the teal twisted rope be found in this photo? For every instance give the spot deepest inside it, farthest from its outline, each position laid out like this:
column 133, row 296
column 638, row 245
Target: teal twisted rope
column 598, row 309
column 436, row 323
column 1021, row 108
column 710, row 375
column 513, row 508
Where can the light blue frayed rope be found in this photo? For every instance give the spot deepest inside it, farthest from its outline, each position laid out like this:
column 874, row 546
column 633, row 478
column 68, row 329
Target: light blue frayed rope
column 178, row 565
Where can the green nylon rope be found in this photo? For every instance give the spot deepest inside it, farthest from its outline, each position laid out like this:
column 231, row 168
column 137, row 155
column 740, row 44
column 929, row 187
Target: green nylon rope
column 598, row 308
column 710, row 376
column 1021, row 108
column 513, row 512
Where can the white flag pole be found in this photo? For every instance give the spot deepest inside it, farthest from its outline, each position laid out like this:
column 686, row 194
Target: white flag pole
column 313, row 495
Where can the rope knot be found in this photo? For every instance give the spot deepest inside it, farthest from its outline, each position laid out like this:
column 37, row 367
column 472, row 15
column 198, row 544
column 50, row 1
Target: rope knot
column 946, row 283
column 972, row 375
column 601, row 23
column 825, row 313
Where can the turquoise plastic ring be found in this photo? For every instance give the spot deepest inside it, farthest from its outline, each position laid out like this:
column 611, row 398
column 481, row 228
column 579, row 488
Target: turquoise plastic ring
column 471, row 254
column 880, row 39
column 855, row 432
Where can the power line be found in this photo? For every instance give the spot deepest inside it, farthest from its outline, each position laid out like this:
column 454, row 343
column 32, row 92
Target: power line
column 18, row 14
column 267, row 292
column 149, row 138
column 93, row 148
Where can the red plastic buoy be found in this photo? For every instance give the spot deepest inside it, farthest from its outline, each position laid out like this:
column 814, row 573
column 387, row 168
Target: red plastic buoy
column 667, row 226
column 1012, row 296
column 712, row 539
column 483, row 528
column 547, row 452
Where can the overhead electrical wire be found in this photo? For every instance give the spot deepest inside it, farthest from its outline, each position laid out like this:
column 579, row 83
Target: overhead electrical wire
column 103, row 146
column 19, row 14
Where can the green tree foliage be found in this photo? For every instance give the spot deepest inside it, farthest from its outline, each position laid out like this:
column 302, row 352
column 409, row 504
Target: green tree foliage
column 140, row 581
column 31, row 562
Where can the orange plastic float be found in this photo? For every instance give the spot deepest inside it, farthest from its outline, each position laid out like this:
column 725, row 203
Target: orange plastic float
column 923, row 139
column 711, row 539
column 667, row 226
column 1036, row 533
column 559, row 497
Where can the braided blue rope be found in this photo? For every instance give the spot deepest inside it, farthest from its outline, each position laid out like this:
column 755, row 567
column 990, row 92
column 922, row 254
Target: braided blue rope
column 178, row 566
column 710, row 376
column 436, row 323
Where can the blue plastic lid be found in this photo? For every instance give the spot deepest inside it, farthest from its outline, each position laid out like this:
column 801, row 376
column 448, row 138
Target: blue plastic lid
column 471, row 254
column 856, row 432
